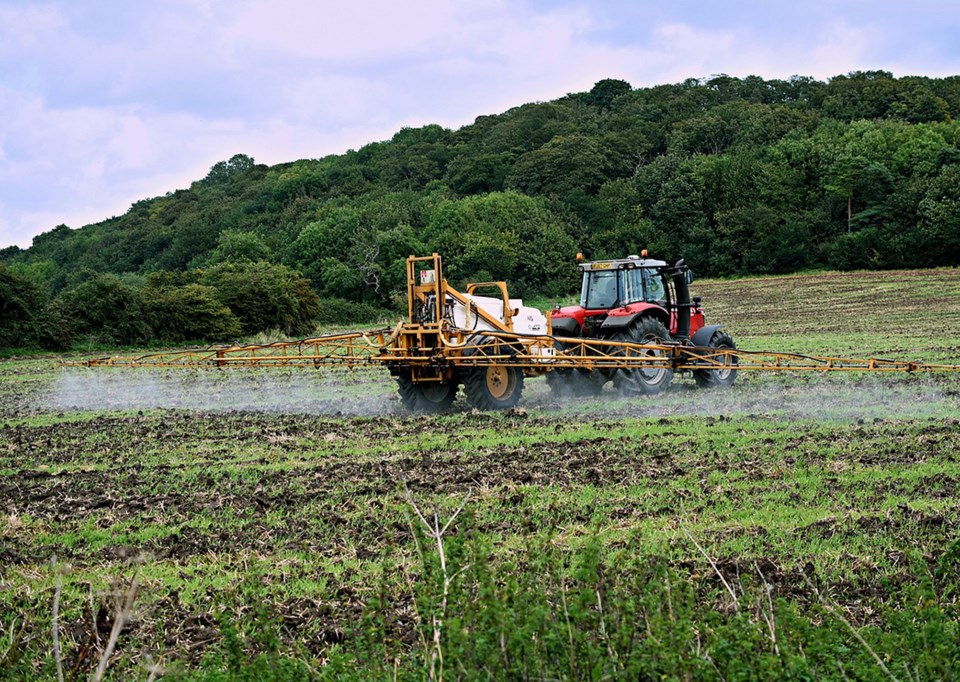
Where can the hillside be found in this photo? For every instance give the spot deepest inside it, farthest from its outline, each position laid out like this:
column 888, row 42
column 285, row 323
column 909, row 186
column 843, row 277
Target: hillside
column 738, row 176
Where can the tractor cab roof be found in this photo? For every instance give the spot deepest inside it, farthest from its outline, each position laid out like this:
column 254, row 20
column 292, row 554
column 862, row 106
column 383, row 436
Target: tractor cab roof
column 622, row 264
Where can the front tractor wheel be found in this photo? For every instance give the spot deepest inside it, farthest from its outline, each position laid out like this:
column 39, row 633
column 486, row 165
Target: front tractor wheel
column 722, row 377
column 426, row 397
column 493, row 387
column 644, row 380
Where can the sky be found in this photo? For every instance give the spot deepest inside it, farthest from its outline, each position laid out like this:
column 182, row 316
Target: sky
column 106, row 102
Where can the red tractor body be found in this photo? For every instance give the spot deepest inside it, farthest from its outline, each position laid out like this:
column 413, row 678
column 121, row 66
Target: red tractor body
column 580, row 314
column 636, row 300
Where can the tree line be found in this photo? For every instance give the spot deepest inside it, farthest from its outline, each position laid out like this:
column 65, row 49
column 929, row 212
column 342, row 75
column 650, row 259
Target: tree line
column 736, row 175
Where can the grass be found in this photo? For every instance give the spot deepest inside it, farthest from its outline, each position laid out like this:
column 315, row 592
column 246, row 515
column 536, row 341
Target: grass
column 904, row 314
column 602, row 538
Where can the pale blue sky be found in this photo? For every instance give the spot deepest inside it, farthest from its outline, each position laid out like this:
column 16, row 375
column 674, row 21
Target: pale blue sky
column 103, row 103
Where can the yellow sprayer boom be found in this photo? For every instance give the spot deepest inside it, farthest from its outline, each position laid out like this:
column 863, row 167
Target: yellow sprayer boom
column 489, row 344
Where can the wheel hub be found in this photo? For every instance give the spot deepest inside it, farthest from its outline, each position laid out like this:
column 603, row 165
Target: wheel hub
column 724, row 374
column 651, row 375
column 498, row 381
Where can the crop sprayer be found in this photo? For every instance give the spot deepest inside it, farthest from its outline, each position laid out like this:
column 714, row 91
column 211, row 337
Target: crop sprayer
column 635, row 326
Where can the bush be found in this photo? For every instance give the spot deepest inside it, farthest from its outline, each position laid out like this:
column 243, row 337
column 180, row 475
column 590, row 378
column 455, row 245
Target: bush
column 21, row 305
column 237, row 246
column 189, row 313
column 265, row 296
column 504, row 236
column 104, row 309
column 856, row 251
column 342, row 311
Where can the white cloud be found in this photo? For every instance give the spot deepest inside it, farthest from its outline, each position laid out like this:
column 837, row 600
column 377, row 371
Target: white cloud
column 82, row 165
column 340, row 31
column 96, row 114
column 28, row 27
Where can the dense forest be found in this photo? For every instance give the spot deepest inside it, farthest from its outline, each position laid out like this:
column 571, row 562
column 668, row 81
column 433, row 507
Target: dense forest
column 737, row 176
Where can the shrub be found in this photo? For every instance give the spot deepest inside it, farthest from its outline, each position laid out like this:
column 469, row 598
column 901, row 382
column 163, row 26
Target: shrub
column 189, row 313
column 104, row 309
column 238, row 246
column 342, row 311
column 265, row 296
column 21, row 306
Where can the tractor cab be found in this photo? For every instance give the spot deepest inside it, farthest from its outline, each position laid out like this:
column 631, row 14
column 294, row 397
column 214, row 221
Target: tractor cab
column 614, row 293
column 615, row 283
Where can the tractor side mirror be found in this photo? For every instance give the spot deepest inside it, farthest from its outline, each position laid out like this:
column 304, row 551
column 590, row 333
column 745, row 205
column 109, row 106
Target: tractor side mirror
column 688, row 275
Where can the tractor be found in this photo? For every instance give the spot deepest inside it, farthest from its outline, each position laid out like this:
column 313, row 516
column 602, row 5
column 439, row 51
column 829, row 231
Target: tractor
column 642, row 301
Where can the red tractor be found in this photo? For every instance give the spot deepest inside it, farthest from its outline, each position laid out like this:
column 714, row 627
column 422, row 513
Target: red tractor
column 638, row 300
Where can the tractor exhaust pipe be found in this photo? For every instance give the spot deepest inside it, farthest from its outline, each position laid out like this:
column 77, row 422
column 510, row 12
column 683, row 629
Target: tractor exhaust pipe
column 682, row 288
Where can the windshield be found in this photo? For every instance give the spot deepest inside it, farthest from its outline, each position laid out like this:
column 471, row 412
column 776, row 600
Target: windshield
column 636, row 284
column 599, row 290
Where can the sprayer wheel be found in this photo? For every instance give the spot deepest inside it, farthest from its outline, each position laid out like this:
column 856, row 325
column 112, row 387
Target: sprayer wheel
column 644, row 380
column 425, row 397
column 493, row 387
column 724, row 376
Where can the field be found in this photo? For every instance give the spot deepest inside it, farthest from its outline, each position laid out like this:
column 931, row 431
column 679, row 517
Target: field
column 266, row 525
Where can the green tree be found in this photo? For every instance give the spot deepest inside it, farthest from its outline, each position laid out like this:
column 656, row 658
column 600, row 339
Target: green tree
column 603, row 94
column 527, row 127
column 321, row 252
column 106, row 310
column 23, row 319
column 564, row 164
column 265, row 296
column 415, row 157
column 503, row 236
column 479, row 173
column 224, row 171
column 860, row 95
column 918, row 104
column 706, row 134
column 940, row 219
column 189, row 313
column 672, row 194
column 239, row 246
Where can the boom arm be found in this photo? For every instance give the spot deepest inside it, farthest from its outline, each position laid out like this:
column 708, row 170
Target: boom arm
column 398, row 347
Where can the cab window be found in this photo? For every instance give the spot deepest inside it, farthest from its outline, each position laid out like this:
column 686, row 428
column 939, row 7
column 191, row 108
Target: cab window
column 631, row 286
column 599, row 290
column 653, row 286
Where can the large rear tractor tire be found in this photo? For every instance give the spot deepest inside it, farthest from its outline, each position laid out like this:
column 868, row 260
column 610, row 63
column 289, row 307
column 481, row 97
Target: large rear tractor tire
column 426, row 397
column 494, row 387
column 644, row 380
column 722, row 377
